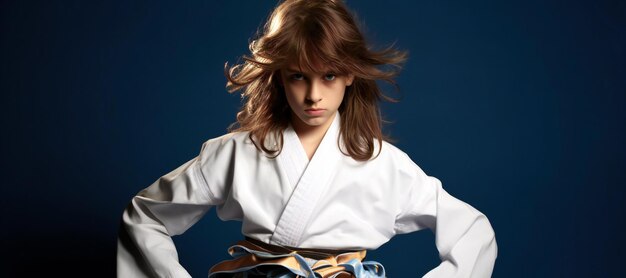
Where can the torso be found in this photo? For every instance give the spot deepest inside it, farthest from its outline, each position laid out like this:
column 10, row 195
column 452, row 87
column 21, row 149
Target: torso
column 357, row 208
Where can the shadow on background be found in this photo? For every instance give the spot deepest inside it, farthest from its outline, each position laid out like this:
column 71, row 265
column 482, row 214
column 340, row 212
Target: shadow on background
column 56, row 254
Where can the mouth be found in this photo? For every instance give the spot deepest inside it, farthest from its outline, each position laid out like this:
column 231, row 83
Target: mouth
column 315, row 111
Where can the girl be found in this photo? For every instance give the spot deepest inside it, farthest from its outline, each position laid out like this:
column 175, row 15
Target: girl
column 306, row 168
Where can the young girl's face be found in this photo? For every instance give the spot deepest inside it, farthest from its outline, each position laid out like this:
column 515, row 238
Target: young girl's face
column 314, row 97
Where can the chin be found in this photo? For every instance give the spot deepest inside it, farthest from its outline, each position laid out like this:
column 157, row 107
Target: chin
column 314, row 121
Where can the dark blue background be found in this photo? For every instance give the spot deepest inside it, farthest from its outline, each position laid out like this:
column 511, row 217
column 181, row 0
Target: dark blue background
column 517, row 106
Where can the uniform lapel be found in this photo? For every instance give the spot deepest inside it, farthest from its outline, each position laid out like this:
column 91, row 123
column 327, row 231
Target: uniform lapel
column 292, row 159
column 311, row 182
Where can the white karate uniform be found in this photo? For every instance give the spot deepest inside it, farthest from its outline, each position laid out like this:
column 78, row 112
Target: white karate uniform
column 329, row 202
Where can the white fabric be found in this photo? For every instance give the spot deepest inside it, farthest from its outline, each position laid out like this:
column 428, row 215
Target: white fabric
column 312, row 182
column 331, row 202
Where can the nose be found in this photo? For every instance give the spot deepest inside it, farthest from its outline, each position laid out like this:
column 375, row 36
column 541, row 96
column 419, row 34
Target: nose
column 314, row 93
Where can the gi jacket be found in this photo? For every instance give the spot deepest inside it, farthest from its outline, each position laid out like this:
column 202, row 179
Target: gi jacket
column 329, row 202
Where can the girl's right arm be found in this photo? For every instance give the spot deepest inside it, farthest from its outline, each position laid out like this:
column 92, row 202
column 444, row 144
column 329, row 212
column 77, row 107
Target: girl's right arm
column 168, row 207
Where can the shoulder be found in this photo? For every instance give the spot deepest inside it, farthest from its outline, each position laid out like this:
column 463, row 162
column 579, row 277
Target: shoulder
column 389, row 152
column 240, row 137
column 398, row 160
column 226, row 144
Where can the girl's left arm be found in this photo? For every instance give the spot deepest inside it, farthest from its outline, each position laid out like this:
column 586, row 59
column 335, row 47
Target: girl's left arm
column 464, row 236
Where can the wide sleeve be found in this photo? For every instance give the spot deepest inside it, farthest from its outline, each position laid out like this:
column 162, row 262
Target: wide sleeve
column 168, row 207
column 464, row 237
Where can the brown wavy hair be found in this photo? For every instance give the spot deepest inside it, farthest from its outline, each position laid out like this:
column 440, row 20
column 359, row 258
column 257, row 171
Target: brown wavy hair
column 318, row 35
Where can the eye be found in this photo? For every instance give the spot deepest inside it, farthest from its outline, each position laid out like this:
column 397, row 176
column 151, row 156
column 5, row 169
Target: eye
column 329, row 77
column 297, row 76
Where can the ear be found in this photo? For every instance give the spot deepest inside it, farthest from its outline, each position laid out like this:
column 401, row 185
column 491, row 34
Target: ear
column 349, row 79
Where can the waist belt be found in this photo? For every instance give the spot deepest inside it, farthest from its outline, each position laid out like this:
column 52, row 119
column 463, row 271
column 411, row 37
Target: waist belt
column 255, row 258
